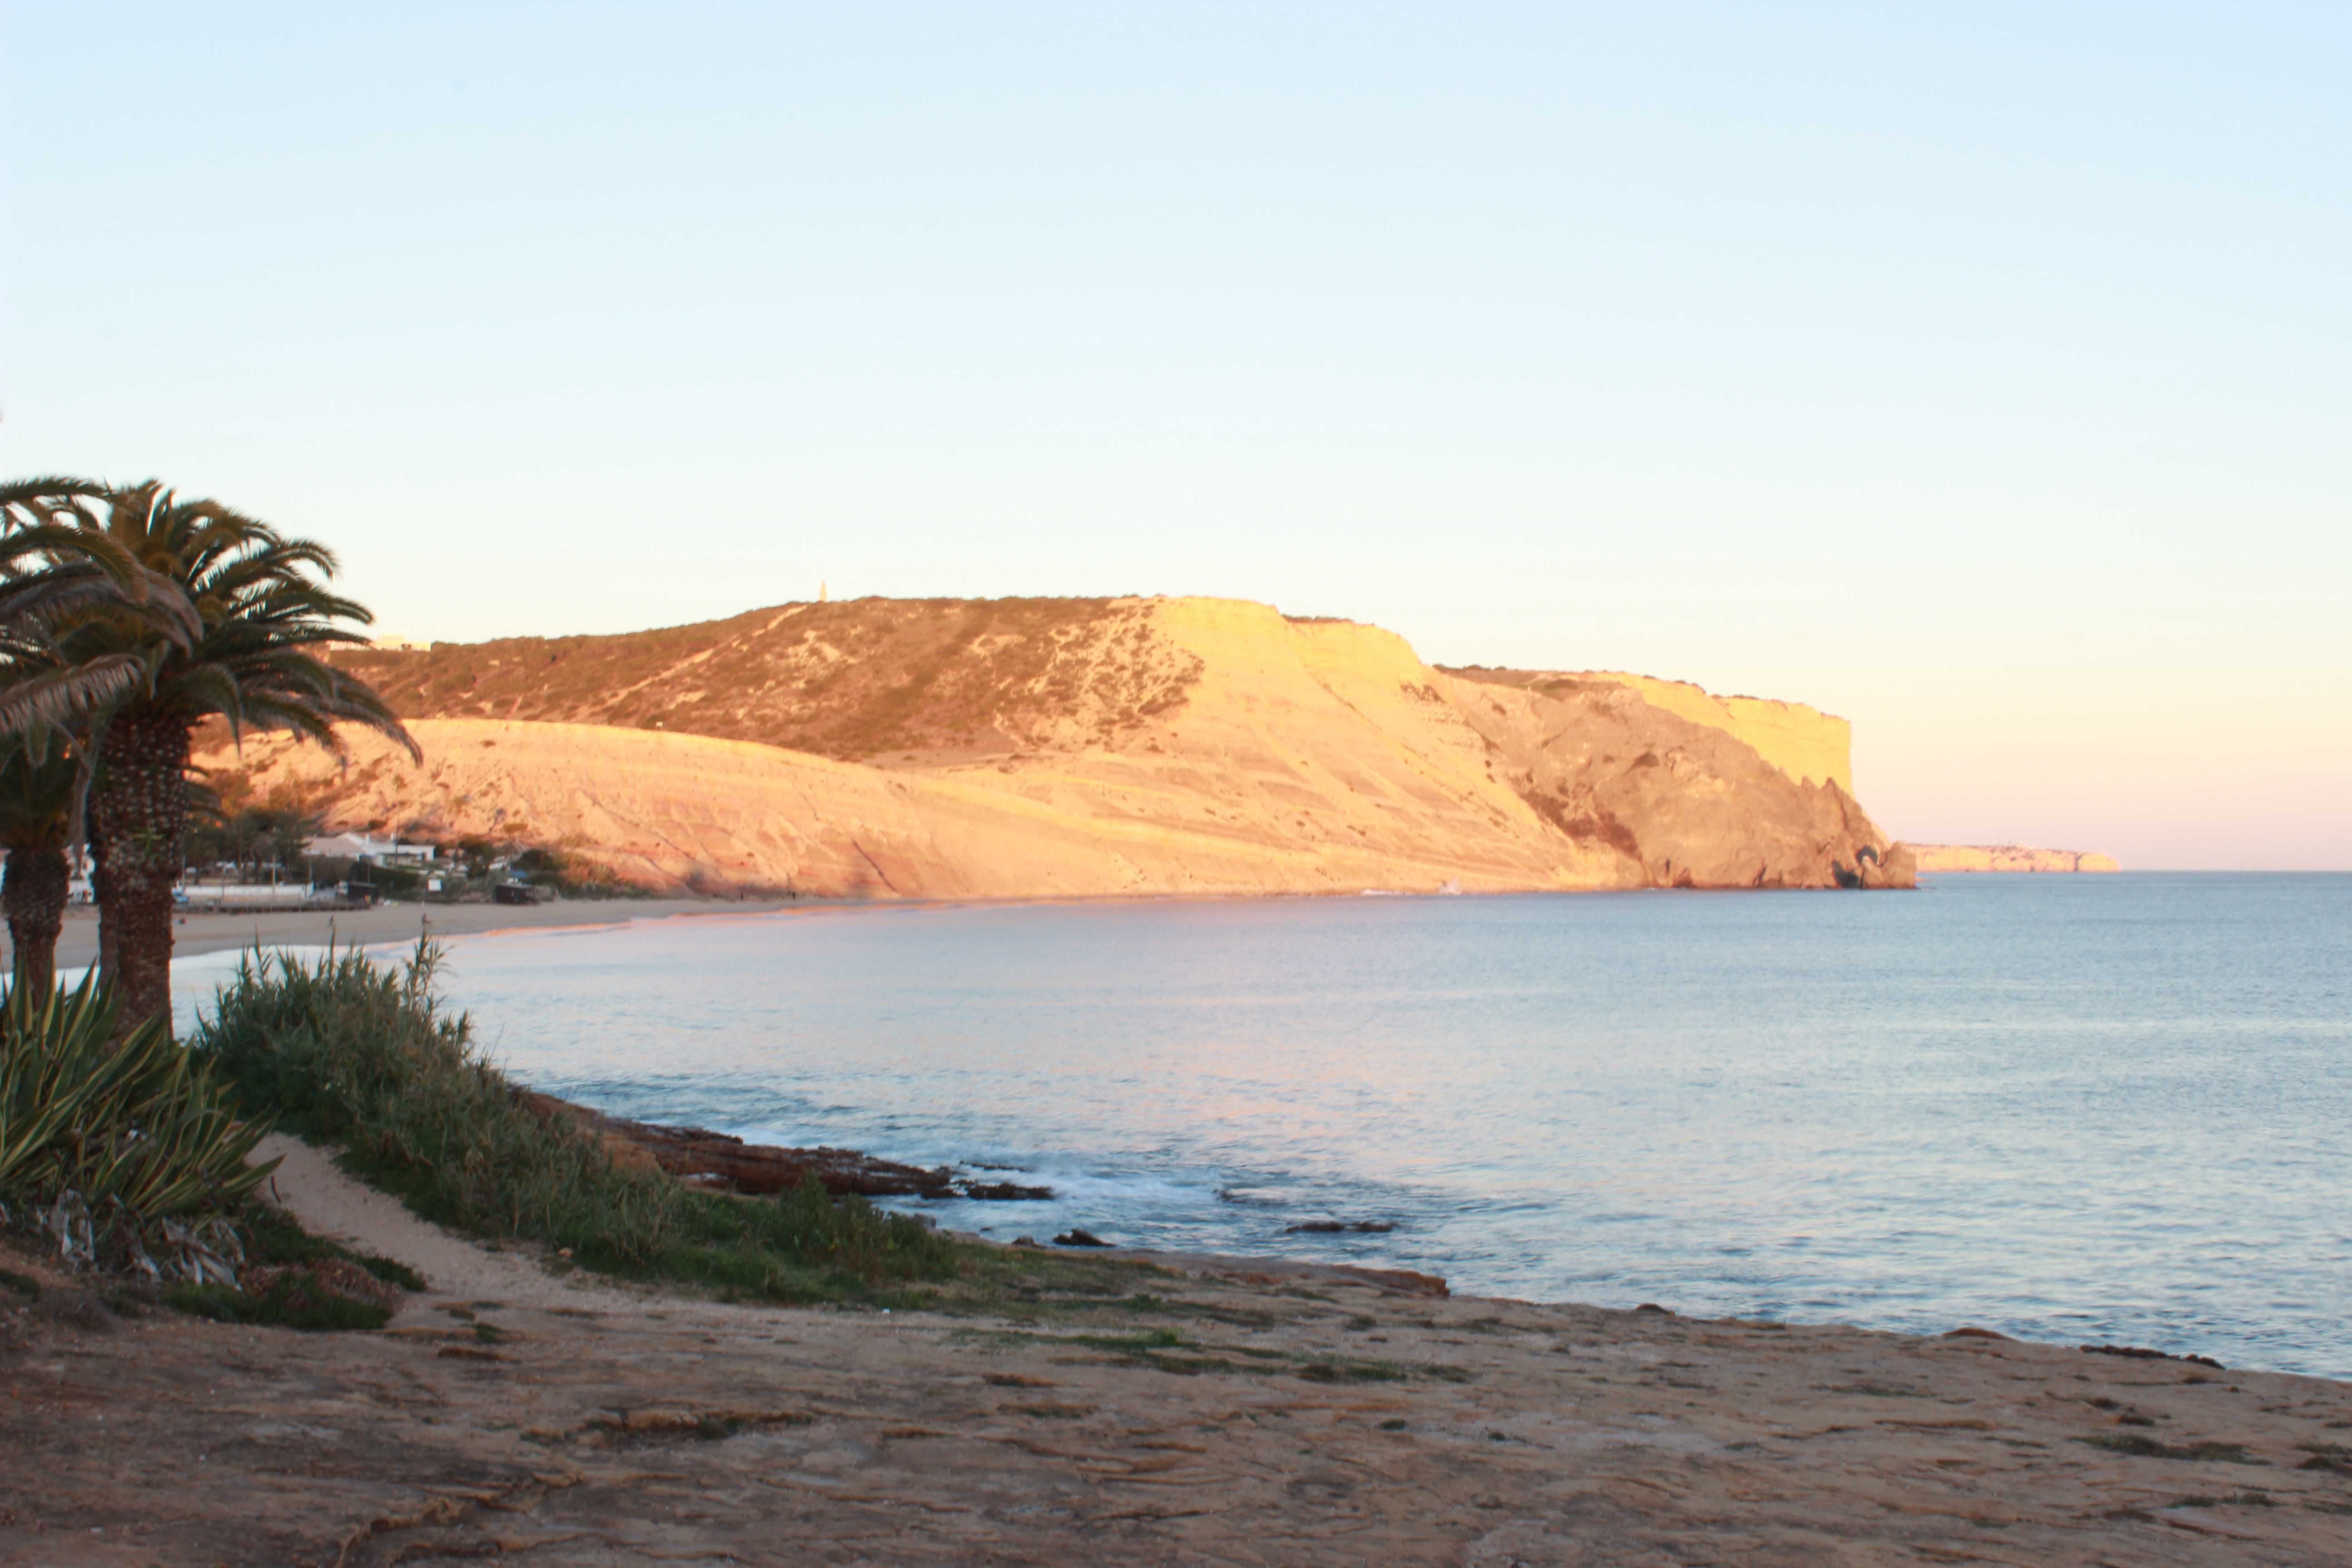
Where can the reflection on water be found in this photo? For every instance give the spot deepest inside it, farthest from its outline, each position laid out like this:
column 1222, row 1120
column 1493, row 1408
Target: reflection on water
column 2111, row 1108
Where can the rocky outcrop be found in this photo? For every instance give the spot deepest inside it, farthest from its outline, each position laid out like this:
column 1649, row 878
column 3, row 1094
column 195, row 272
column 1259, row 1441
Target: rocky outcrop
column 1947, row 857
column 1102, row 747
column 723, row 1162
column 1807, row 744
column 1693, row 805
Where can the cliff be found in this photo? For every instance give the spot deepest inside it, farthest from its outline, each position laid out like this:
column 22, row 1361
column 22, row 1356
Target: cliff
column 1804, row 742
column 2007, row 858
column 1024, row 748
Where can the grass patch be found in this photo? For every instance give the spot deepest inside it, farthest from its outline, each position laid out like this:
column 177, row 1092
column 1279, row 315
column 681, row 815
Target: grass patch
column 21, row 1284
column 291, row 1303
column 345, row 1050
column 274, row 1237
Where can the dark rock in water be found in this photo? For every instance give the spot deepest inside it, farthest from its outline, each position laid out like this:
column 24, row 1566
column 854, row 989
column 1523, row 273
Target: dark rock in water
column 1024, row 1241
column 1005, row 1191
column 1079, row 1238
column 1969, row 1332
column 1654, row 1309
column 2140, row 1352
column 760, row 1168
column 1335, row 1227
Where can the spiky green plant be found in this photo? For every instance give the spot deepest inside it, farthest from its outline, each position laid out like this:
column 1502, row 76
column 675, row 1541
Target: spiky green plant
column 134, row 1134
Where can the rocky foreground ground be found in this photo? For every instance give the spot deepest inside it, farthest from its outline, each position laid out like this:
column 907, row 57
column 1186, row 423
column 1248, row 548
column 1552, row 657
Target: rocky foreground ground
column 1207, row 1413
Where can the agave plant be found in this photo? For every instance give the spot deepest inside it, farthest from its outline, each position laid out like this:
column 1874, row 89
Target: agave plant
column 100, row 1136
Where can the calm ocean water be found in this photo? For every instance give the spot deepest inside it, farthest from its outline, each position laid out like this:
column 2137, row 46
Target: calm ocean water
column 2068, row 1109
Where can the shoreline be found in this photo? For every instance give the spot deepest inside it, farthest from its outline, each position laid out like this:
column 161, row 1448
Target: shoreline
column 1137, row 1410
column 197, row 933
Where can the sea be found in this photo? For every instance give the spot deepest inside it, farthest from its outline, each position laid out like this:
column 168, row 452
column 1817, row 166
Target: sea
column 2080, row 1109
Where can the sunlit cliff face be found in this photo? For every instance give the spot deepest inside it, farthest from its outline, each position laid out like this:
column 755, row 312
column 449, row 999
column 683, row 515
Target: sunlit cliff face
column 1085, row 747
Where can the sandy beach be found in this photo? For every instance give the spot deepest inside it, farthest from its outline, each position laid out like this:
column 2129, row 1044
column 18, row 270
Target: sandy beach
column 199, row 932
column 1215, row 1410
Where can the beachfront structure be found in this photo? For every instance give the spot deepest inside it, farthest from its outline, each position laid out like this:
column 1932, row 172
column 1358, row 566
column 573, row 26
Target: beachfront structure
column 366, row 846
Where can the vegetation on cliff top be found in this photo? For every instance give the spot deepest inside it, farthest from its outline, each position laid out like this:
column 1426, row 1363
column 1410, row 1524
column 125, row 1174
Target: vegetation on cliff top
column 852, row 680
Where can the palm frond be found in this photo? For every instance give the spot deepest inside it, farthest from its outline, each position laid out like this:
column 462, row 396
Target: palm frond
column 58, row 697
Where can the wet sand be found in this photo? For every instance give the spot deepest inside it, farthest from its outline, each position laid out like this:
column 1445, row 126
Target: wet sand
column 198, row 932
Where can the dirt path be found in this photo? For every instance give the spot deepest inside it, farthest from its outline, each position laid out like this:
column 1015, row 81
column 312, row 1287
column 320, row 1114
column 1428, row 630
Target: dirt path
column 1227, row 1413
column 331, row 1204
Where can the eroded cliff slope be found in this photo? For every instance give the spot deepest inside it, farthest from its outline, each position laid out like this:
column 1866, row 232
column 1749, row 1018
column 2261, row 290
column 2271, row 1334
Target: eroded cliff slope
column 1024, row 748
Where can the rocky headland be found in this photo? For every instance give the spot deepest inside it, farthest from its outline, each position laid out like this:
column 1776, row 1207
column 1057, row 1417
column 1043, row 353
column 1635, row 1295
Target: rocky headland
column 1082, row 747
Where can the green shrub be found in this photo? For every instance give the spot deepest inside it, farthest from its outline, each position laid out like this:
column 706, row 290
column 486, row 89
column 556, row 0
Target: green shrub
column 114, row 1147
column 348, row 1051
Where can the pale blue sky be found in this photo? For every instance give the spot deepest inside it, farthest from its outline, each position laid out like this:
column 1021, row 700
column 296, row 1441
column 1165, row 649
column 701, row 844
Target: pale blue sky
column 1983, row 374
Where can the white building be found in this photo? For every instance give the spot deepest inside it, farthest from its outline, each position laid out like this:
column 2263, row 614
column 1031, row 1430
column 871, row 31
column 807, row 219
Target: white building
column 364, row 846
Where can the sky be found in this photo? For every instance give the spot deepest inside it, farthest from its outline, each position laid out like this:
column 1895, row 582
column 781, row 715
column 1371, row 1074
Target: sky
column 1981, row 373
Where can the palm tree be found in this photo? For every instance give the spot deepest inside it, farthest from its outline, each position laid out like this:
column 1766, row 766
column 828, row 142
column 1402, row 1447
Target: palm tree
column 54, row 567
column 261, row 612
column 56, row 562
column 40, row 786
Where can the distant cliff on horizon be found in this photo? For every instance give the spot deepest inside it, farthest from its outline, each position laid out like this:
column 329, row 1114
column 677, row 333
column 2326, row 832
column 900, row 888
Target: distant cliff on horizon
column 1063, row 747
column 1951, row 857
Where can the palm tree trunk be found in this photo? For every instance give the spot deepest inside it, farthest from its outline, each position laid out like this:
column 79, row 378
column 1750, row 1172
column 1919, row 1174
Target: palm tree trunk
column 33, row 894
column 139, row 809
